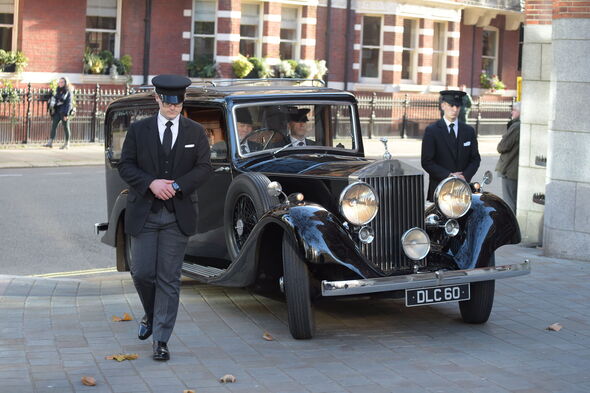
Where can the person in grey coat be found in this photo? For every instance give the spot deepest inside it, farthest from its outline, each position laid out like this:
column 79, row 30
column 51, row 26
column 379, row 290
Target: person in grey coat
column 507, row 166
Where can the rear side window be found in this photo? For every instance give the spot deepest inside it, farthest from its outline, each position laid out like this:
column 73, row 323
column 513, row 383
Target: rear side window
column 118, row 125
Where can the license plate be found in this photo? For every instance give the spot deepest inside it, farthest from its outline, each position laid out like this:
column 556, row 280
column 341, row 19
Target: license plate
column 434, row 295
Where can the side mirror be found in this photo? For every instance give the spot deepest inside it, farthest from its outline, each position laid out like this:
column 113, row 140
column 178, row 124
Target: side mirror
column 274, row 189
column 487, row 177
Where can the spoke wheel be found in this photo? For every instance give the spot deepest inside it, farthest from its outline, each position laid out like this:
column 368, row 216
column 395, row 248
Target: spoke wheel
column 245, row 203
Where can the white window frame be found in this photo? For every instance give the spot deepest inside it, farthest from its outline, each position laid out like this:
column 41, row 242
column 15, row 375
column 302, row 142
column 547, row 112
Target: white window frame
column 117, row 31
column 13, row 26
column 258, row 39
column 194, row 35
column 442, row 51
column 297, row 41
column 380, row 47
column 414, row 52
column 495, row 57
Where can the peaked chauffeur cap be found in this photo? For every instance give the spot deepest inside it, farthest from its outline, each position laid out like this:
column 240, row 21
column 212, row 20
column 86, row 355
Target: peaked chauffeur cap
column 171, row 88
column 453, row 97
column 298, row 115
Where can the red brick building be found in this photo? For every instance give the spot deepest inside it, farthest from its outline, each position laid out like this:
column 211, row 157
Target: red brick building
column 378, row 45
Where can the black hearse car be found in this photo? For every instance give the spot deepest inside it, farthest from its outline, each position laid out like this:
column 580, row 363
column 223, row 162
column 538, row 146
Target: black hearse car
column 320, row 219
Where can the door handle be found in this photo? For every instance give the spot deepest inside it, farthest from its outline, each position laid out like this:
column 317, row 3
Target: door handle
column 223, row 169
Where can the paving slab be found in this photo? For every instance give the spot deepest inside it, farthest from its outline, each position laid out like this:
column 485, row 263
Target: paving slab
column 54, row 331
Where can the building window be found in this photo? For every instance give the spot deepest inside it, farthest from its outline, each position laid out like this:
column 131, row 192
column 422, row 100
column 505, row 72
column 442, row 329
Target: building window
column 438, row 51
column 204, row 31
column 102, row 25
column 409, row 53
column 289, row 46
column 250, row 30
column 6, row 24
column 490, row 51
column 371, row 47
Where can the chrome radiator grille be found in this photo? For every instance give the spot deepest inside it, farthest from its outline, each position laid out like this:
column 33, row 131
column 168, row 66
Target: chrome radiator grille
column 401, row 207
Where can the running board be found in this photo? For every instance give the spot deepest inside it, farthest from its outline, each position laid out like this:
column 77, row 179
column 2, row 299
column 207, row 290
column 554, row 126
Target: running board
column 192, row 269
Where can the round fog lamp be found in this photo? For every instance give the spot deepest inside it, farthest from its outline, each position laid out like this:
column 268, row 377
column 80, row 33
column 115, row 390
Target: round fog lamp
column 416, row 243
column 366, row 235
column 452, row 228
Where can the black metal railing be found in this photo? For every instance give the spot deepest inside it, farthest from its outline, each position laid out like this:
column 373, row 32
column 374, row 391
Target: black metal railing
column 408, row 115
column 24, row 117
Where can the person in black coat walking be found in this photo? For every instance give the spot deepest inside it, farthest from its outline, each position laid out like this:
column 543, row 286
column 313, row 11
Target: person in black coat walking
column 164, row 159
column 60, row 105
column 449, row 147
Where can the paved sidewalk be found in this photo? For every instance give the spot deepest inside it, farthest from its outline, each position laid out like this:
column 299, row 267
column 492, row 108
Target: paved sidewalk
column 24, row 156
column 54, row 331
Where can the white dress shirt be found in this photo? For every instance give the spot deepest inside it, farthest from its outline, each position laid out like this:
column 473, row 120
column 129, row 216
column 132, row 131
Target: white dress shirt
column 162, row 127
column 296, row 141
column 455, row 126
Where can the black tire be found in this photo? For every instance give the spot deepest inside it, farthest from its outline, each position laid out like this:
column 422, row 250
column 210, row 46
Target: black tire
column 478, row 308
column 245, row 203
column 296, row 282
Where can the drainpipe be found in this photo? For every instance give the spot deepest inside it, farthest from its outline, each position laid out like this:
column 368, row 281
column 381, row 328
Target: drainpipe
column 146, row 41
column 347, row 45
column 472, row 58
column 328, row 30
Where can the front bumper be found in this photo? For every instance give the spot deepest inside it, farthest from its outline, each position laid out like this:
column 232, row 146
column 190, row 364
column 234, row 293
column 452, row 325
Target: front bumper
column 423, row 280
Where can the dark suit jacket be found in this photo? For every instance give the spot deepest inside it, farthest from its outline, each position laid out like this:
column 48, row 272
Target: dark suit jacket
column 139, row 167
column 440, row 158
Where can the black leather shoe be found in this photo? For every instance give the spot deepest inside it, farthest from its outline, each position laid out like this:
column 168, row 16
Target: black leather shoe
column 161, row 351
column 145, row 328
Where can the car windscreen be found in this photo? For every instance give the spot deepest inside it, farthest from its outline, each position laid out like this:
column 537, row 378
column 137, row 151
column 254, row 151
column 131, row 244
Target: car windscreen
column 305, row 125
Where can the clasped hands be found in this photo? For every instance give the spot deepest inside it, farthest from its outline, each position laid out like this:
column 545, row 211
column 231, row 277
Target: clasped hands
column 162, row 189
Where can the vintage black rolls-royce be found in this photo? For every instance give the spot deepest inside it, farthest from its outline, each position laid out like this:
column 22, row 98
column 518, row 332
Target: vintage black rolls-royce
column 294, row 205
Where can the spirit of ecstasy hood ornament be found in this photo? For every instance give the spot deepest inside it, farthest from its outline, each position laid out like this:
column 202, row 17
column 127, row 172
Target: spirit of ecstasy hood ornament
column 387, row 154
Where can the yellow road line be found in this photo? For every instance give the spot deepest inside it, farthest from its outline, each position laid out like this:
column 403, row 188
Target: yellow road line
column 76, row 272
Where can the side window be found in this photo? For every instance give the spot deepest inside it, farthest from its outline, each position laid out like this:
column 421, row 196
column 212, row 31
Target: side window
column 118, row 125
column 213, row 121
column 341, row 124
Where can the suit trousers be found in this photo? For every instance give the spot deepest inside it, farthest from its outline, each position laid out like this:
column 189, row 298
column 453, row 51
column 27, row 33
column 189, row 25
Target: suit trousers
column 157, row 253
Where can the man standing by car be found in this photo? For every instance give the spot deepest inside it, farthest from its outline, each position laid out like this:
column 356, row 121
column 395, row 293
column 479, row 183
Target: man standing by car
column 449, row 147
column 164, row 159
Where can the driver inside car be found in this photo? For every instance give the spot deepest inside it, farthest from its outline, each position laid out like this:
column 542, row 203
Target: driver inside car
column 244, row 125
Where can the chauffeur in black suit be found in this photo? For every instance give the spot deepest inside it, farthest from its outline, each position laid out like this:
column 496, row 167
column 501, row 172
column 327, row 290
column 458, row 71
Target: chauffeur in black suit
column 164, row 159
column 297, row 126
column 449, row 147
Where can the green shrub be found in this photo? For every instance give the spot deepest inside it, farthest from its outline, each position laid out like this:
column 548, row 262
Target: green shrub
column 242, row 67
column 201, row 67
column 302, row 71
column 261, row 68
column 491, row 82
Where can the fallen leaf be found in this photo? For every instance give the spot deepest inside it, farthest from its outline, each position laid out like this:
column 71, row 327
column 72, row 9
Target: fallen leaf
column 555, row 327
column 188, row 391
column 122, row 356
column 228, row 378
column 267, row 336
column 88, row 381
column 126, row 317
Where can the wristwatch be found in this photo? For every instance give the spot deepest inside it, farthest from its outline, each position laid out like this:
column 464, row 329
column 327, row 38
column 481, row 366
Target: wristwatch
column 176, row 187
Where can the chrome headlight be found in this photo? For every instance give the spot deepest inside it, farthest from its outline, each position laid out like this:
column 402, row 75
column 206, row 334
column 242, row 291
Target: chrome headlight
column 453, row 197
column 416, row 243
column 359, row 203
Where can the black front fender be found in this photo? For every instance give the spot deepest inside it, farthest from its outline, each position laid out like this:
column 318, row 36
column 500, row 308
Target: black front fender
column 110, row 236
column 322, row 238
column 488, row 225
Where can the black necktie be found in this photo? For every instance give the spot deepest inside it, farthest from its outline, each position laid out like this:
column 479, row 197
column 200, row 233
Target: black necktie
column 300, row 144
column 167, row 140
column 452, row 132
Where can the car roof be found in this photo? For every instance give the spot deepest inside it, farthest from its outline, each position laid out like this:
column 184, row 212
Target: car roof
column 223, row 89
